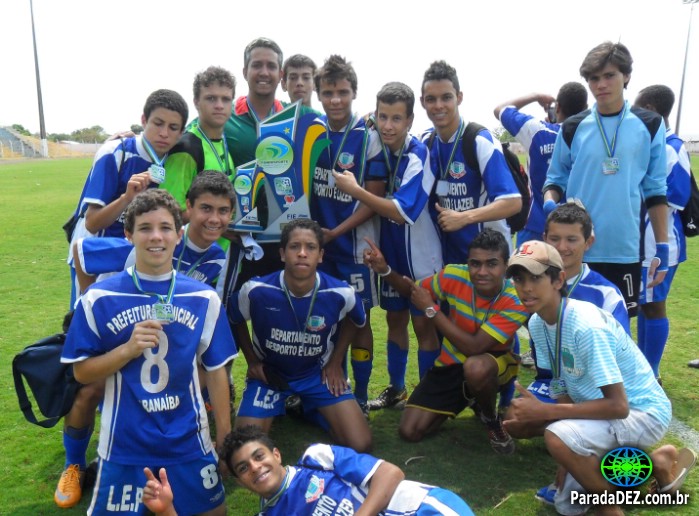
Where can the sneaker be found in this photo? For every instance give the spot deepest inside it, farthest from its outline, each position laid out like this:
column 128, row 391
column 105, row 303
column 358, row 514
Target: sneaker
column 364, row 407
column 546, row 494
column 527, row 359
column 389, row 397
column 500, row 440
column 293, row 406
column 90, row 475
column 68, row 492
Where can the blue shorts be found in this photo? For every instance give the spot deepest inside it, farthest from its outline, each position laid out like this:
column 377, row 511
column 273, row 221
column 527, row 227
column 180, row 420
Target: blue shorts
column 362, row 279
column 658, row 292
column 119, row 488
column 263, row 401
column 392, row 301
column 540, row 389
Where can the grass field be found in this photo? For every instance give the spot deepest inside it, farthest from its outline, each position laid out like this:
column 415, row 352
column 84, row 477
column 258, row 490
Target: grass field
column 38, row 196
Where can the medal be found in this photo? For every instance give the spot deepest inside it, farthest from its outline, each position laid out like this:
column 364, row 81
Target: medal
column 557, row 388
column 157, row 169
column 164, row 312
column 157, row 173
column 442, row 188
column 610, row 164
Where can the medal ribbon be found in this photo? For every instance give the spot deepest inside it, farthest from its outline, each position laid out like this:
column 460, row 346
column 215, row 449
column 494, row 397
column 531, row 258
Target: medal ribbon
column 391, row 172
column 166, row 299
column 179, row 258
column 555, row 356
column 310, row 308
column 265, row 504
column 254, row 115
column 348, row 128
column 575, row 283
column 610, row 147
column 490, row 306
column 459, row 133
column 223, row 165
column 151, row 152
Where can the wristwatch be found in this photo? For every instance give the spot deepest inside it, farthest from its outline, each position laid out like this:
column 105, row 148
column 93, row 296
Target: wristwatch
column 431, row 311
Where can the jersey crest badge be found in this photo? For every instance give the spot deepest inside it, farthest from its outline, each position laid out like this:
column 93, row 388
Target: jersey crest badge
column 316, row 323
column 457, row 170
column 315, row 489
column 345, row 160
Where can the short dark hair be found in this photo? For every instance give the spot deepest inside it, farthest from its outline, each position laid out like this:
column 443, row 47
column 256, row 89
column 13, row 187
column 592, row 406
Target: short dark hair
column 607, row 53
column 439, row 71
column 213, row 182
column 167, row 99
column 238, row 438
column 151, row 200
column 393, row 92
column 335, row 69
column 570, row 213
column 572, row 98
column 299, row 61
column 301, row 224
column 659, row 96
column 213, row 75
column 262, row 43
column 491, row 240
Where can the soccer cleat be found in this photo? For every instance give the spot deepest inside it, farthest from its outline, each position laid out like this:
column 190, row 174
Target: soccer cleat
column 68, row 491
column 528, row 359
column 546, row 494
column 293, row 406
column 389, row 397
column 364, row 407
column 500, row 440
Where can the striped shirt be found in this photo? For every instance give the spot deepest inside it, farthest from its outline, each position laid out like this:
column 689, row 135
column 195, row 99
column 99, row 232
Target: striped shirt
column 499, row 317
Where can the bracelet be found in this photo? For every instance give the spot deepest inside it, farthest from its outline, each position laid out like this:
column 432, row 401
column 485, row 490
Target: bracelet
column 384, row 274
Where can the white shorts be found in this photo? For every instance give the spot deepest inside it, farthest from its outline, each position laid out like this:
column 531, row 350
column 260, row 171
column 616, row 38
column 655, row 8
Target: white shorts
column 597, row 437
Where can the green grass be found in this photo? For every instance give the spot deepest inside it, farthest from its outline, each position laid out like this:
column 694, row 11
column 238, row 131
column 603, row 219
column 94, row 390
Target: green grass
column 38, row 196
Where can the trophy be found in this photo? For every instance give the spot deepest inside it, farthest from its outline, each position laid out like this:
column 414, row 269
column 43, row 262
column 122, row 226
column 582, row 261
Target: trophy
column 287, row 152
column 247, row 183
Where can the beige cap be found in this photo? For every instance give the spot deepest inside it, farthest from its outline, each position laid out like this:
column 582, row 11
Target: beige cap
column 536, row 257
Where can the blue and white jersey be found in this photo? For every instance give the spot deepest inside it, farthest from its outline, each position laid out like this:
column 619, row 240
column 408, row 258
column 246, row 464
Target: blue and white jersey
column 594, row 288
column 412, row 249
column 102, row 256
column 295, row 335
column 538, row 138
column 678, row 190
column 468, row 189
column 153, row 412
column 598, row 290
column 596, row 351
column 350, row 150
column 612, row 198
column 107, row 181
column 334, row 481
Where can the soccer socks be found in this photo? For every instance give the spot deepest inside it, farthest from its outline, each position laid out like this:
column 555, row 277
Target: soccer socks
column 75, row 442
column 425, row 360
column 361, row 366
column 656, row 334
column 397, row 362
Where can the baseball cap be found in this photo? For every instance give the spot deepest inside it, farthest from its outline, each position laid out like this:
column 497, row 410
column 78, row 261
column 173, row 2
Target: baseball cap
column 536, row 257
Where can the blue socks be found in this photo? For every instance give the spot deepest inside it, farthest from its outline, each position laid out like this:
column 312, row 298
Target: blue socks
column 655, row 337
column 75, row 442
column 425, row 360
column 397, row 363
column 361, row 366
